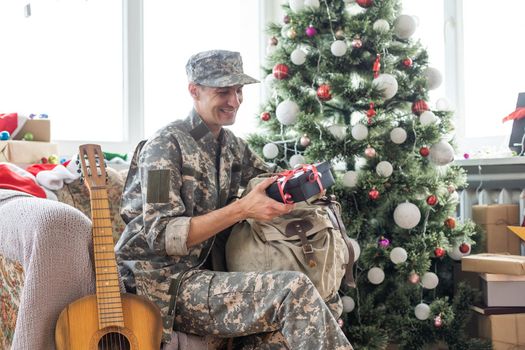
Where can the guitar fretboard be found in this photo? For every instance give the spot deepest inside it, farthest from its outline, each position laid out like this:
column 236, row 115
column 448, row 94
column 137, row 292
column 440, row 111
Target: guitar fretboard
column 109, row 301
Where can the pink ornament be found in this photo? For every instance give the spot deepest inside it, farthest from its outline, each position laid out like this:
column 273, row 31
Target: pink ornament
column 357, row 43
column 370, row 152
column 311, row 31
column 340, row 322
column 438, row 321
column 286, row 19
column 466, row 155
column 305, row 141
column 413, row 278
column 451, row 188
column 384, row 242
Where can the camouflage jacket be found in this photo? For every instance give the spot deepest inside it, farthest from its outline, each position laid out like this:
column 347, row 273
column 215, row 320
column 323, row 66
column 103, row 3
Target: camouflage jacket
column 172, row 178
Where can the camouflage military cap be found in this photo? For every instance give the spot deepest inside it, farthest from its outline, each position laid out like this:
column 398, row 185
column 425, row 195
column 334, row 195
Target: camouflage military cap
column 217, row 68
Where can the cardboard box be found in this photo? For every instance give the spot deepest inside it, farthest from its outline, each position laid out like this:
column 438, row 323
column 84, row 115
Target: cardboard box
column 503, row 290
column 494, row 220
column 26, row 152
column 506, row 331
column 40, row 128
column 494, row 263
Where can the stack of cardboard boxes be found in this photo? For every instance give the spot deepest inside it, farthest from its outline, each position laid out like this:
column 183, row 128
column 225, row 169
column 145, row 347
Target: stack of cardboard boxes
column 500, row 275
column 29, row 152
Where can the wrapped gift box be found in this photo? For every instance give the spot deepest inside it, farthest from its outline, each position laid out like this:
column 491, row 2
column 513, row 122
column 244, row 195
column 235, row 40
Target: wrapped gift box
column 507, row 331
column 494, row 219
column 503, row 290
column 26, row 152
column 301, row 186
column 494, row 263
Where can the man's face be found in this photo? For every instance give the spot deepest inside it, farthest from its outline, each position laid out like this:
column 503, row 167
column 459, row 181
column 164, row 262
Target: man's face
column 217, row 106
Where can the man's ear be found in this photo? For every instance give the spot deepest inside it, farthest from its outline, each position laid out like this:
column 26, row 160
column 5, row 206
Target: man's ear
column 194, row 90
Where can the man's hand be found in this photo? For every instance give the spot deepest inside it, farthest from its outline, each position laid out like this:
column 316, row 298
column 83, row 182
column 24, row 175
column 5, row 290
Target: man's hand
column 257, row 205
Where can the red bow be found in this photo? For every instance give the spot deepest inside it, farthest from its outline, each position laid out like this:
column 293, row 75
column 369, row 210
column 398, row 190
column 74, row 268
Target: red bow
column 517, row 114
column 283, row 177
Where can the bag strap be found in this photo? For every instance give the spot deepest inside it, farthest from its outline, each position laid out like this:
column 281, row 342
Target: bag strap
column 299, row 228
column 335, row 217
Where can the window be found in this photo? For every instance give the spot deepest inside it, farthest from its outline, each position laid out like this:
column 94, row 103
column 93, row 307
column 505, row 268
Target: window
column 173, row 31
column 65, row 60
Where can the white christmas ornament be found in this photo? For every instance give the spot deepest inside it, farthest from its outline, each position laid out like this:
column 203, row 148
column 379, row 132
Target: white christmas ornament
column 348, row 304
column 443, row 104
column 441, row 153
column 422, row 311
column 434, row 77
column 454, row 253
column 286, row 112
column 296, row 5
column 311, row 3
column 398, row 255
column 404, row 26
column 270, row 151
column 269, row 81
column 338, row 48
column 376, row 275
column 338, row 131
column 384, row 168
column 430, row 280
column 407, row 215
column 357, row 249
column 398, row 135
column 381, row 26
column 359, row 132
column 387, row 84
column 298, row 57
column 350, row 179
column 296, row 160
column 427, row 118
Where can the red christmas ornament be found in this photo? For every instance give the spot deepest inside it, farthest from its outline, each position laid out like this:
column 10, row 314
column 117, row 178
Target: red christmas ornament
column 407, row 62
column 377, row 66
column 464, row 248
column 450, row 222
column 265, row 116
column 323, row 92
column 438, row 321
column 439, row 252
column 280, row 71
column 432, row 200
column 373, row 194
column 370, row 113
column 365, row 3
column 43, row 160
column 419, row 107
column 424, row 151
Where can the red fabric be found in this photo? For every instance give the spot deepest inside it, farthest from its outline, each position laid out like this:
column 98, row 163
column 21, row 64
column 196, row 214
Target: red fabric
column 517, row 114
column 10, row 180
column 36, row 168
column 9, row 122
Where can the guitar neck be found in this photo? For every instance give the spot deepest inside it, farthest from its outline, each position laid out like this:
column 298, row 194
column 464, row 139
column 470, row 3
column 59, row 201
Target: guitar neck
column 107, row 279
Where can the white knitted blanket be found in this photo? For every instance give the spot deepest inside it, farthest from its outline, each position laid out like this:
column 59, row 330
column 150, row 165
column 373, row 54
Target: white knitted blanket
column 52, row 241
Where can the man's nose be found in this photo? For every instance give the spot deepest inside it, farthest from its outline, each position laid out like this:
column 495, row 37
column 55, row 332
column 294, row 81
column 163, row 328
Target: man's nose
column 235, row 99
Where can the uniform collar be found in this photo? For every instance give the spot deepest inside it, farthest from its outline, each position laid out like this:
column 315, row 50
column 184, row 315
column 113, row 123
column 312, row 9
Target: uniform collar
column 200, row 131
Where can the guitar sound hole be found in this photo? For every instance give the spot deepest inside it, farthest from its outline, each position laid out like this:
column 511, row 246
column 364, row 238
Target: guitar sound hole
column 114, row 341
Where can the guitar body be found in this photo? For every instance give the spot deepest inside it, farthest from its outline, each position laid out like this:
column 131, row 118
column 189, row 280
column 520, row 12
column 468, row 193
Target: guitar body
column 78, row 326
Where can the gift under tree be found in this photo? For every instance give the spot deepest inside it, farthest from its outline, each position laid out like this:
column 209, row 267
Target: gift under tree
column 348, row 84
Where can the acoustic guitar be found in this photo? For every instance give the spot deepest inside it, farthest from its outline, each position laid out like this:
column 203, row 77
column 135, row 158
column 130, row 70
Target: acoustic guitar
column 108, row 320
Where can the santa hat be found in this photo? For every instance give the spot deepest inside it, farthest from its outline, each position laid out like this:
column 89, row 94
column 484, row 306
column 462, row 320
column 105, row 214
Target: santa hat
column 15, row 178
column 12, row 122
column 53, row 176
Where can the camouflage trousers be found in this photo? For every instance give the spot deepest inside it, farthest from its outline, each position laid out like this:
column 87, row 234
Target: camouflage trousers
column 268, row 310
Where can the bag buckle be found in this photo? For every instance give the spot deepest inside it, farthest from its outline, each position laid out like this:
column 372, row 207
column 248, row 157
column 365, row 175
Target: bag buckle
column 308, row 249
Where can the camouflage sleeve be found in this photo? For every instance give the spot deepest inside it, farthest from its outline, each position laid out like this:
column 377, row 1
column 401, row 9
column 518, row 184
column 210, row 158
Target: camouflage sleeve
column 252, row 164
column 165, row 226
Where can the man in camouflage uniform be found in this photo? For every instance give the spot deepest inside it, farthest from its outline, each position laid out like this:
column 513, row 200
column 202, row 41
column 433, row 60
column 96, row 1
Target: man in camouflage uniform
column 175, row 204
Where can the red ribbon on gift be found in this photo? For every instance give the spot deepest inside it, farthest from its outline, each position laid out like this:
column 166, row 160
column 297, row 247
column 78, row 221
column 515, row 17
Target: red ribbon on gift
column 517, row 114
column 288, row 174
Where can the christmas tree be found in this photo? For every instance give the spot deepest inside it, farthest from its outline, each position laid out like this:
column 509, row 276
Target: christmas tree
column 348, row 84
